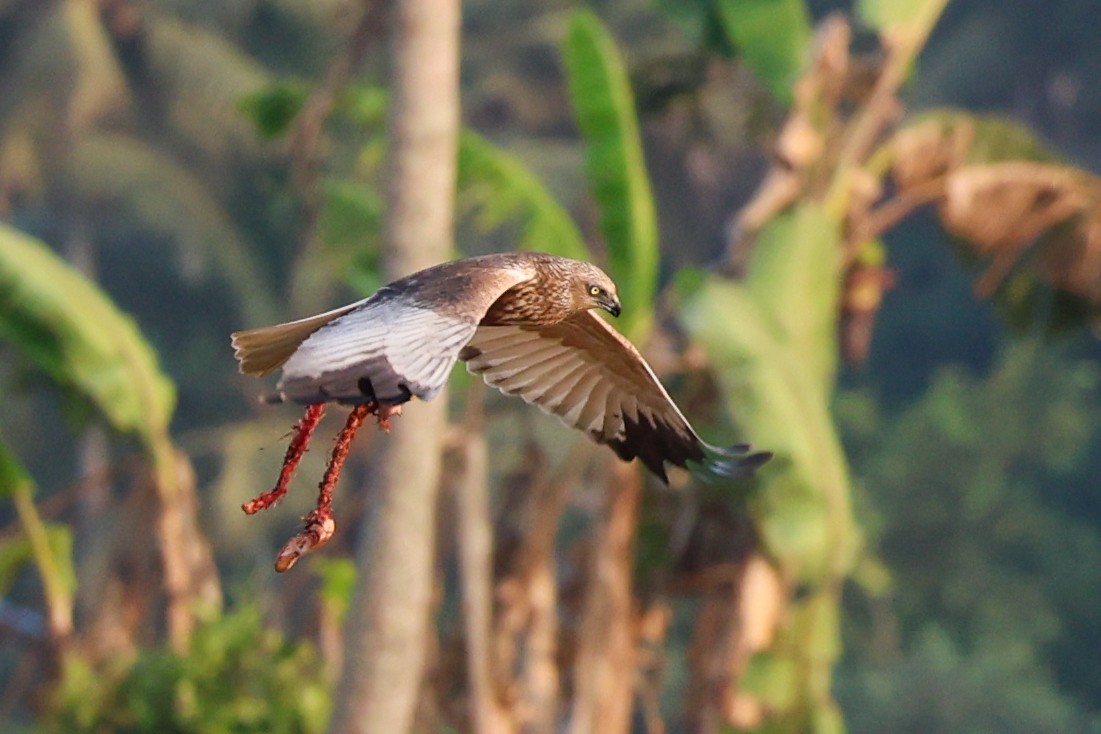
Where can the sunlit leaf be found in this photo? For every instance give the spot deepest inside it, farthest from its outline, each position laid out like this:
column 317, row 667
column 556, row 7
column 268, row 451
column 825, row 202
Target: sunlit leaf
column 48, row 545
column 338, row 578
column 67, row 326
column 364, row 105
column 605, row 111
column 350, row 225
column 888, row 15
column 770, row 679
column 794, row 274
column 772, row 340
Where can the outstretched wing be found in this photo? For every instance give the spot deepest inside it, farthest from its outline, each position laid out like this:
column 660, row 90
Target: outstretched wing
column 586, row 373
column 387, row 351
column 264, row 350
column 399, row 343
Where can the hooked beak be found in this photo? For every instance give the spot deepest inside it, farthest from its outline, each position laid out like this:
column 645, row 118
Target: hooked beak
column 611, row 305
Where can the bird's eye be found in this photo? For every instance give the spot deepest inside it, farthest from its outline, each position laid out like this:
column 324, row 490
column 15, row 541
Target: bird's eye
column 595, row 290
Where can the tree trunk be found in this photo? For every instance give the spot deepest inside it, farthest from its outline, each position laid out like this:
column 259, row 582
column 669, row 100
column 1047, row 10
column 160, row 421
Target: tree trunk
column 389, row 620
column 605, row 669
column 475, row 541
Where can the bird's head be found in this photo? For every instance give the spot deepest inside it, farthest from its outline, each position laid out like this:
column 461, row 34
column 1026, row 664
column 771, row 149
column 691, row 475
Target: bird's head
column 594, row 289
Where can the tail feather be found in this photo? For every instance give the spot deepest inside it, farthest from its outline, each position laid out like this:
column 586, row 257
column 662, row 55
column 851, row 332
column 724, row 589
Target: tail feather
column 264, row 350
column 733, row 462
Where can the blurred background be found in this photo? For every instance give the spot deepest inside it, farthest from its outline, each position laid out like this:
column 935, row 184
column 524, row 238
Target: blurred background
column 864, row 236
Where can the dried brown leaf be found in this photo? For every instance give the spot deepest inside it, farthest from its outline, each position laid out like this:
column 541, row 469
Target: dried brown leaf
column 1002, row 209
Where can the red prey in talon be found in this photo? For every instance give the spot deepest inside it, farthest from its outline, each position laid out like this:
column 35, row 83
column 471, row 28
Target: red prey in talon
column 303, row 429
column 340, row 455
column 319, row 529
column 320, row 523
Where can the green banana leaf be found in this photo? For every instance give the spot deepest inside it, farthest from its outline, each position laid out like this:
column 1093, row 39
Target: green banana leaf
column 773, row 36
column 772, row 341
column 504, row 189
column 894, row 15
column 48, row 545
column 74, row 333
column 605, row 111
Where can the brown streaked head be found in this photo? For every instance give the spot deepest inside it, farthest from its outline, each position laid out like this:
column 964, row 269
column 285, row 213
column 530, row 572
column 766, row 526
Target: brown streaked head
column 592, row 288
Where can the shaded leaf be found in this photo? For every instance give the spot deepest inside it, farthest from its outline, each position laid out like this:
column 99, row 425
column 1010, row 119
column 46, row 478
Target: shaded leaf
column 202, row 79
column 69, row 44
column 274, row 108
column 18, row 551
column 938, row 141
column 12, row 474
column 48, row 545
column 773, row 37
column 504, row 189
column 155, row 193
column 1002, row 209
column 1004, row 193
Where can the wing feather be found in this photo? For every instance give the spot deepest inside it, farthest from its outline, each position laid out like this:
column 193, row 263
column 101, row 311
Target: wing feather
column 399, row 343
column 590, row 376
column 264, row 350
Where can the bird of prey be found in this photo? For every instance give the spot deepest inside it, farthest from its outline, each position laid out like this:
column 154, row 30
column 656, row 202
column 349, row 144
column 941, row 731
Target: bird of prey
column 525, row 322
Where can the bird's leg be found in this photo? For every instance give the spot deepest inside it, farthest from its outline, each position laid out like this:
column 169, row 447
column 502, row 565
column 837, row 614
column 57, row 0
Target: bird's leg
column 384, row 413
column 303, row 429
column 320, row 523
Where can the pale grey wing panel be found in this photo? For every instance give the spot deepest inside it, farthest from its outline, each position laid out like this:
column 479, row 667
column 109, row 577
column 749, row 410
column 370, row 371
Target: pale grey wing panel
column 387, row 351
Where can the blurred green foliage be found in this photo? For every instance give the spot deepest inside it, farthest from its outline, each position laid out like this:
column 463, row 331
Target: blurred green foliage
column 970, row 498
column 46, row 545
column 72, row 331
column 237, row 676
column 604, row 108
column 975, row 482
column 502, row 189
column 773, row 36
column 772, row 340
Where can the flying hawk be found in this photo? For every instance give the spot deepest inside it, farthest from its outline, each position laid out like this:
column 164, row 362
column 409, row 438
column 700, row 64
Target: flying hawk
column 526, row 323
